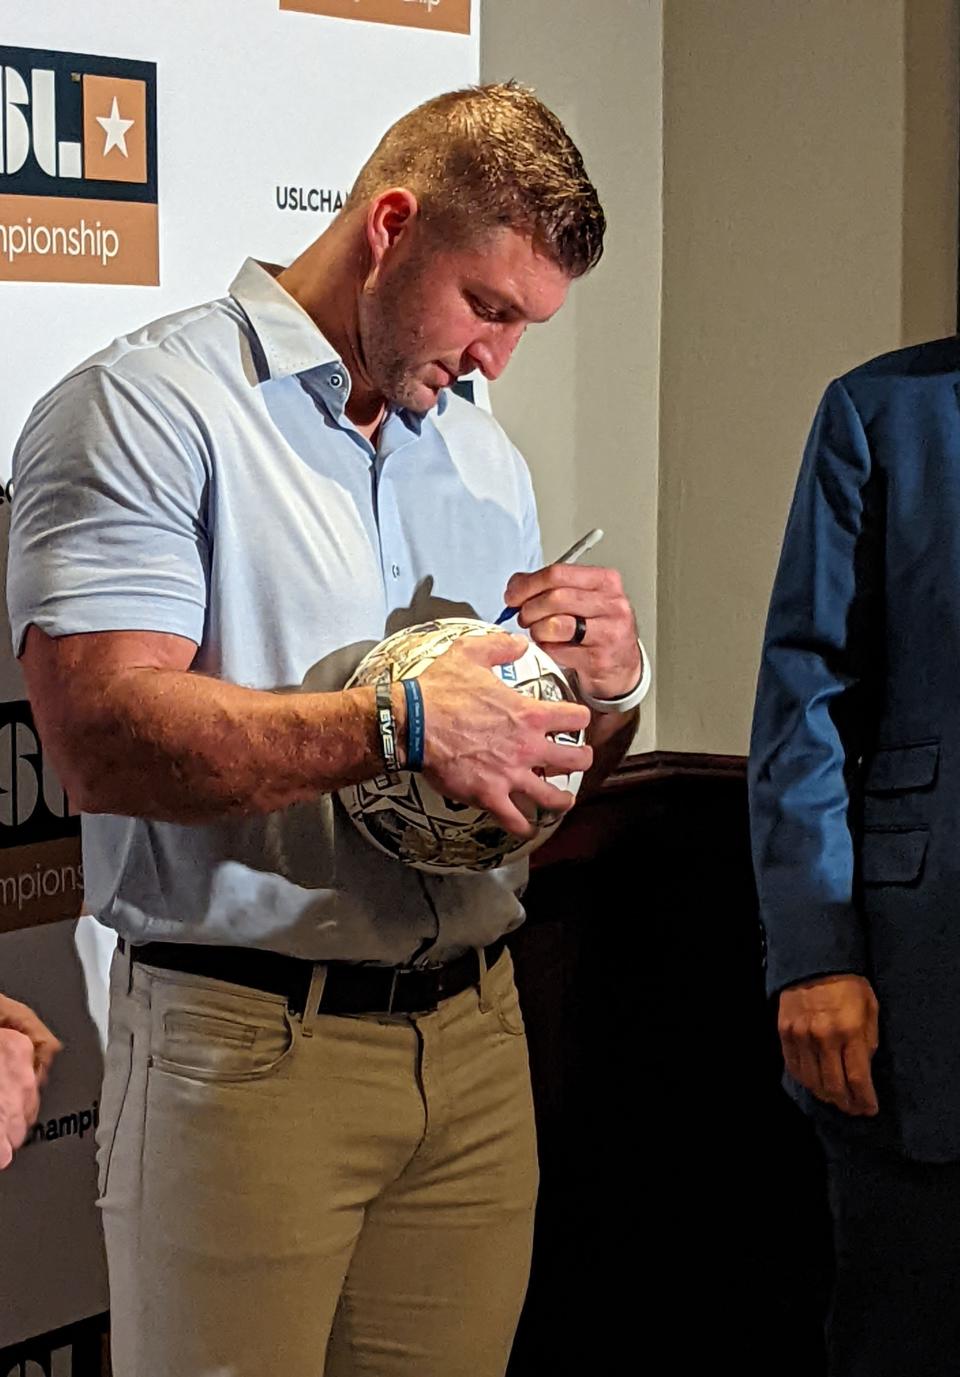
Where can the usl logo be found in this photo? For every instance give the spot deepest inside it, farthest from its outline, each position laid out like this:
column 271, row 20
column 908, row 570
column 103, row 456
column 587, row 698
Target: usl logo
column 41, row 875
column 78, row 179
column 33, row 805
column 453, row 16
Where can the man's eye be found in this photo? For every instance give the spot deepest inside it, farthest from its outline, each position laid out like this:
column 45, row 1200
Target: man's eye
column 481, row 309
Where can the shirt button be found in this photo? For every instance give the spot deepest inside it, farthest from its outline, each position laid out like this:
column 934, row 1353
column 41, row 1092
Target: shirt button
column 336, row 380
column 395, row 570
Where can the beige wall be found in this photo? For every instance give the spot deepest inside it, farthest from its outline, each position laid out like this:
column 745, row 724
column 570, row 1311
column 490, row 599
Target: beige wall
column 810, row 159
column 581, row 396
column 808, row 221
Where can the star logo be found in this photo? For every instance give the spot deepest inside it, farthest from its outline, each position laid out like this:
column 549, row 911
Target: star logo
column 115, row 129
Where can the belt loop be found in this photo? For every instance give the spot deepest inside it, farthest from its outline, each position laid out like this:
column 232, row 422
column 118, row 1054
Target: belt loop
column 393, row 989
column 486, row 1003
column 318, row 980
column 125, row 953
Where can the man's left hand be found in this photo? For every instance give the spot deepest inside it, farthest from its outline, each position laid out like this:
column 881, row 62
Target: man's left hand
column 607, row 661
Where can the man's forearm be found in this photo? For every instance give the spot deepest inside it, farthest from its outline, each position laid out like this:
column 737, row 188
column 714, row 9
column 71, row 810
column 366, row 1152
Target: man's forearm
column 178, row 747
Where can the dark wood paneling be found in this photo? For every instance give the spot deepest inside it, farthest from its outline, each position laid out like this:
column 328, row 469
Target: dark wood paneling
column 682, row 1204
column 79, row 1350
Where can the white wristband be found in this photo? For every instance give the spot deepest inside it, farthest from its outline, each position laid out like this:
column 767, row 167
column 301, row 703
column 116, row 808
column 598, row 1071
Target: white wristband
column 630, row 700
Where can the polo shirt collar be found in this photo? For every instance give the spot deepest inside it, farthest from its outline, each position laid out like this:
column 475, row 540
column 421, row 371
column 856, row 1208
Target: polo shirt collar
column 290, row 340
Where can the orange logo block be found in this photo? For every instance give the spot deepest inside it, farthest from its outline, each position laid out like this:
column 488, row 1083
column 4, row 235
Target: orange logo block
column 451, row 16
column 114, row 129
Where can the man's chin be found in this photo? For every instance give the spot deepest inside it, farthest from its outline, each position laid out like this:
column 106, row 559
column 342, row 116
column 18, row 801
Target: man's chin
column 418, row 397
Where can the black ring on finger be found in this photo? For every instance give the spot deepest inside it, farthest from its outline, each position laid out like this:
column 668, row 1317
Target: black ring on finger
column 580, row 632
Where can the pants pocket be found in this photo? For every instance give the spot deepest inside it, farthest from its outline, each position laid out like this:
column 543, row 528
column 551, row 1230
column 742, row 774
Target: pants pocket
column 213, row 1034
column 509, row 1012
column 118, row 1067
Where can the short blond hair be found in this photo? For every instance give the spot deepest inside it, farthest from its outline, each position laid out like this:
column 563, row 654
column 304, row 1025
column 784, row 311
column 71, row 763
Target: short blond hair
column 491, row 156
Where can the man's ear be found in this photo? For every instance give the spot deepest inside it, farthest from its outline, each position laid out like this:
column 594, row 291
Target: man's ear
column 390, row 216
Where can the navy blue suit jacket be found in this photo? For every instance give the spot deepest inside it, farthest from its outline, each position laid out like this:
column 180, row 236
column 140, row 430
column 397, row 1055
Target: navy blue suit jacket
column 855, row 756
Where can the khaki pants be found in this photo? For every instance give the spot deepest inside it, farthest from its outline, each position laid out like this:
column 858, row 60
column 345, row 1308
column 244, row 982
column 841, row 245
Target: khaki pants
column 357, row 1202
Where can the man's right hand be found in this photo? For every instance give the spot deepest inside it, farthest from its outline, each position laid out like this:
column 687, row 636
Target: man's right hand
column 488, row 745
column 19, row 1092
column 828, row 1031
column 27, row 1049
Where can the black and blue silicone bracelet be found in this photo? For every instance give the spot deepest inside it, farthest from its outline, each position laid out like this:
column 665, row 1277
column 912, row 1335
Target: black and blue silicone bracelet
column 415, row 724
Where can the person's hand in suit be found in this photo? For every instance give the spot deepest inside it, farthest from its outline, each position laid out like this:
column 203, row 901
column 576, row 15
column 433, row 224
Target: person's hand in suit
column 27, row 1049
column 828, row 1031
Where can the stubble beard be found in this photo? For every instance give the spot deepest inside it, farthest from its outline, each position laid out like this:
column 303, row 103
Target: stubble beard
column 390, row 347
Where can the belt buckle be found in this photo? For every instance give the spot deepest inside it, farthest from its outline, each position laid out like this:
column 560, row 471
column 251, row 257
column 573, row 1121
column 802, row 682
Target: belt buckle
column 428, row 1006
column 435, row 976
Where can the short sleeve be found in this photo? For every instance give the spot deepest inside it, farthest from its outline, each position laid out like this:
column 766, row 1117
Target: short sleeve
column 108, row 530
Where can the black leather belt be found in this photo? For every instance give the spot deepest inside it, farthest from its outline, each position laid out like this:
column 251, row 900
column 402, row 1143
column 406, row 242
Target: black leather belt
column 347, row 988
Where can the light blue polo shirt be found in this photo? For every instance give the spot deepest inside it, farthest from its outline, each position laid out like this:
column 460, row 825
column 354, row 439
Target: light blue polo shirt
column 200, row 477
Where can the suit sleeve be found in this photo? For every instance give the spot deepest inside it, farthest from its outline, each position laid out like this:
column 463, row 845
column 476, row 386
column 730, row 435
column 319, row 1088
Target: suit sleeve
column 804, row 746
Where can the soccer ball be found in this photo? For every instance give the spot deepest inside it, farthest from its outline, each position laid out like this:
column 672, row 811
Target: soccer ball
column 405, row 816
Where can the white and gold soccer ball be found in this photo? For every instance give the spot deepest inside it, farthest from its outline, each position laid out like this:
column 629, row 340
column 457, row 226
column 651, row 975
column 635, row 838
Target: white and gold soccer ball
column 410, row 820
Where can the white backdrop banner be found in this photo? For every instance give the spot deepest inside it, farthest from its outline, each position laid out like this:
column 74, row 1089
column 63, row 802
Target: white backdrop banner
column 146, row 149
